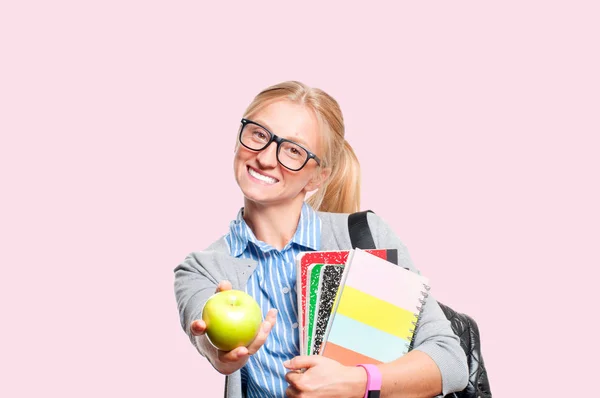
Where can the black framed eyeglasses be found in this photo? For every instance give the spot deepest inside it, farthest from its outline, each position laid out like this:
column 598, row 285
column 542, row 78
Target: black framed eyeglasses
column 290, row 154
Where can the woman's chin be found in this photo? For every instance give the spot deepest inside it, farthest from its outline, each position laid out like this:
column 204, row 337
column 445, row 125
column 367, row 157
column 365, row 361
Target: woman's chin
column 259, row 196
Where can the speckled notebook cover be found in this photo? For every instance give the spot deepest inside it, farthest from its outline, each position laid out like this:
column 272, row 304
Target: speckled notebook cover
column 314, row 276
column 327, row 287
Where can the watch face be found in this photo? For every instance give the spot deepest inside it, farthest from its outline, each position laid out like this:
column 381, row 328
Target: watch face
column 373, row 394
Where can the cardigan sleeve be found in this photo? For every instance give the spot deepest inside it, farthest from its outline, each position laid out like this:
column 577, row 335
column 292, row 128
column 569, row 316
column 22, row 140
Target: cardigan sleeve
column 193, row 286
column 434, row 335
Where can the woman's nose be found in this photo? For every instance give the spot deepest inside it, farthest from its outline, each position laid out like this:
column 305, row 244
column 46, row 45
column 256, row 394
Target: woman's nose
column 268, row 156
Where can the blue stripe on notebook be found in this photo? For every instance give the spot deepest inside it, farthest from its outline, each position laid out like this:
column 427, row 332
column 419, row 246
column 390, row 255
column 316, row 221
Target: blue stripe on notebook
column 347, row 332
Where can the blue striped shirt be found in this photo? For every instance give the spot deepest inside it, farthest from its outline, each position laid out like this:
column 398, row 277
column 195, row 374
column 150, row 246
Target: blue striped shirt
column 273, row 285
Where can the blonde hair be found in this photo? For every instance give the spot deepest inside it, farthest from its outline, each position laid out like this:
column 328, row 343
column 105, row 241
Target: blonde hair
column 340, row 193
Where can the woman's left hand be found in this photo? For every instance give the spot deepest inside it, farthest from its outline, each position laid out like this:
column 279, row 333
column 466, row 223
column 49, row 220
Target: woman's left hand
column 317, row 376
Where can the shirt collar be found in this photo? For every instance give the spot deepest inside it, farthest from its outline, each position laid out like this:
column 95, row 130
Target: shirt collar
column 308, row 233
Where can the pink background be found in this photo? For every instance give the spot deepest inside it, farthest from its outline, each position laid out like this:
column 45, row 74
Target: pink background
column 482, row 117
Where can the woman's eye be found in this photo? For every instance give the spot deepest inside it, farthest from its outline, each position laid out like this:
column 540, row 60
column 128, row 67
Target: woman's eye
column 260, row 135
column 293, row 151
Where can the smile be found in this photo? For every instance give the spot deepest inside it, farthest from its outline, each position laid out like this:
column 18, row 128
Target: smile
column 261, row 177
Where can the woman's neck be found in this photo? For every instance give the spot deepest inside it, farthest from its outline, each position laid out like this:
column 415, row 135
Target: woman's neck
column 273, row 224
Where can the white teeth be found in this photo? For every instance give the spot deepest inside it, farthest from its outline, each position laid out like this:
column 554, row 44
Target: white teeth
column 268, row 180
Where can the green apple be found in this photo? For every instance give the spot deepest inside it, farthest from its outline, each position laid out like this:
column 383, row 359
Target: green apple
column 232, row 318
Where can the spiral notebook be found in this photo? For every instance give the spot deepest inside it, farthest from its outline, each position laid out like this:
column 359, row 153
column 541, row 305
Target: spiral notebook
column 375, row 312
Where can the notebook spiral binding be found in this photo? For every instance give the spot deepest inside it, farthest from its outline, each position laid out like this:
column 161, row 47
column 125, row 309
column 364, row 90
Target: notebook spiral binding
column 425, row 294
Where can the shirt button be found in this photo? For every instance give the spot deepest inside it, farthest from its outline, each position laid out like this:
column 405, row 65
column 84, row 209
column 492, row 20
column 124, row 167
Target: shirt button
column 285, row 290
column 295, row 325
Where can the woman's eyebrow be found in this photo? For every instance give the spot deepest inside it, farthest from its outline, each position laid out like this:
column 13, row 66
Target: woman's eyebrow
column 262, row 123
column 295, row 139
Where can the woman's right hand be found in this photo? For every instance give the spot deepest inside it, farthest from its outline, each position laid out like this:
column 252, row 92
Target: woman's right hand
column 228, row 362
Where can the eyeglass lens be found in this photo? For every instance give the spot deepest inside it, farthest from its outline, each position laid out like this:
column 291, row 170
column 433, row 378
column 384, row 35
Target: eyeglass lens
column 289, row 154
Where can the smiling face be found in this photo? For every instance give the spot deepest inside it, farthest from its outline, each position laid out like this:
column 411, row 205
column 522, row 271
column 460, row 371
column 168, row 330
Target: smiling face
column 259, row 175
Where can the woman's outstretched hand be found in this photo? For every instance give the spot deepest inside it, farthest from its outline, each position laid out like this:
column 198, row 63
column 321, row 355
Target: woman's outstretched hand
column 228, row 362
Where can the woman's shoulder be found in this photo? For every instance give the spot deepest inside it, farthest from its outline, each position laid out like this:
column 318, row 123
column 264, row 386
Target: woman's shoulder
column 336, row 224
column 333, row 223
column 216, row 252
column 335, row 232
column 338, row 221
column 220, row 245
column 335, row 218
column 218, row 264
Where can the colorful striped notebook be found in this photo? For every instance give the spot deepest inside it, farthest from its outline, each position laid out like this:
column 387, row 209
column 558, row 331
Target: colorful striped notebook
column 375, row 312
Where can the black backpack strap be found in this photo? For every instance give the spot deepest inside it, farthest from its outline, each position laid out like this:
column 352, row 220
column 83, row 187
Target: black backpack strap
column 360, row 233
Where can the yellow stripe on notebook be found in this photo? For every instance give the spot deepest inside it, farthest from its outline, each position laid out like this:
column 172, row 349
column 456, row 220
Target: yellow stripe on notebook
column 374, row 312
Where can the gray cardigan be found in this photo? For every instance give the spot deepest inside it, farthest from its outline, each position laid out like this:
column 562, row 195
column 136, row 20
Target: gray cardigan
column 197, row 277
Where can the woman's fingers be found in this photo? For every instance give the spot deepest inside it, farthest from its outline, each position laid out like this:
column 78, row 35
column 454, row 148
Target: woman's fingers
column 271, row 316
column 198, row 327
column 263, row 332
column 292, row 392
column 224, row 285
column 234, row 355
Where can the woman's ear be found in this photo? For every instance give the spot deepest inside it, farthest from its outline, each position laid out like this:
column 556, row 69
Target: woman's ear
column 321, row 175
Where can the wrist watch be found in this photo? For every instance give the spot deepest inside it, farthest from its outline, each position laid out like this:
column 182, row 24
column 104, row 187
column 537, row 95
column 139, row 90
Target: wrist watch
column 373, row 381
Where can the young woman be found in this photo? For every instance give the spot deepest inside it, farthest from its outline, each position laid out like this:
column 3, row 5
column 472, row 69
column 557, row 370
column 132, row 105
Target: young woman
column 291, row 142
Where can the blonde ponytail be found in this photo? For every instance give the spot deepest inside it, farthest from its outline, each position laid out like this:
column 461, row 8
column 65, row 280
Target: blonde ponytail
column 341, row 192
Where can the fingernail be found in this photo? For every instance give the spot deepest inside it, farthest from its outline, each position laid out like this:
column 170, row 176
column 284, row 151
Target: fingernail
column 286, row 363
